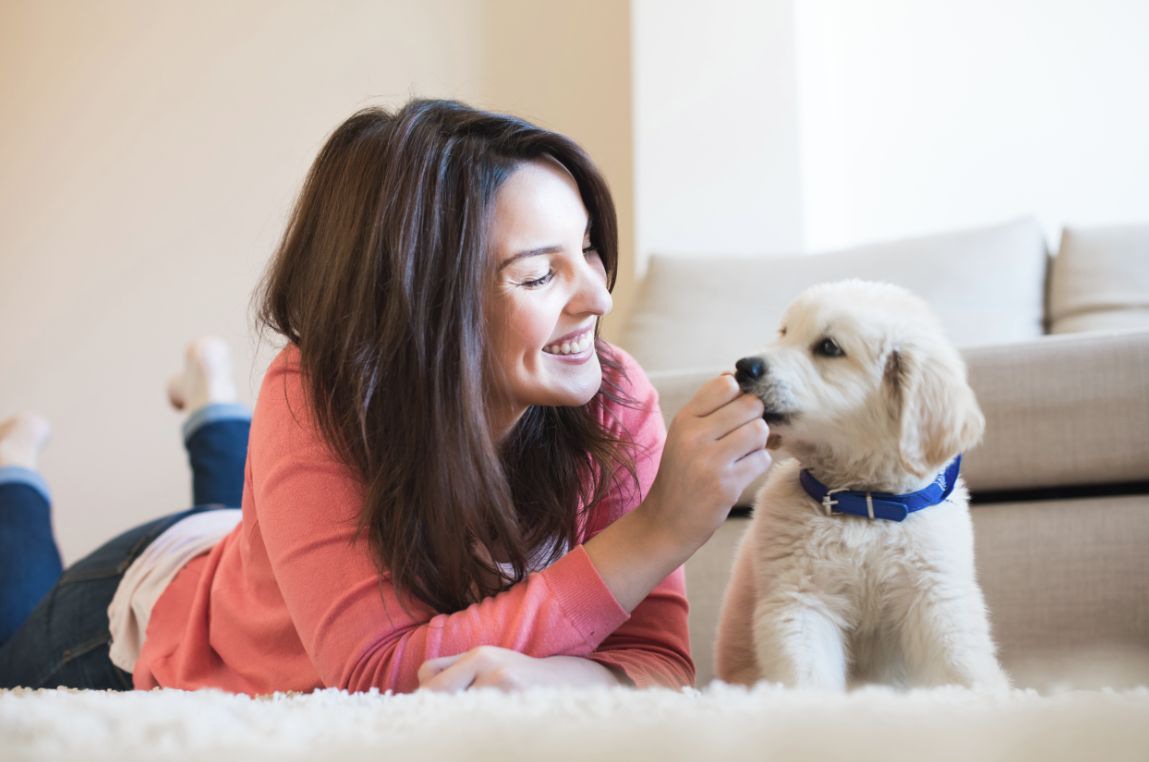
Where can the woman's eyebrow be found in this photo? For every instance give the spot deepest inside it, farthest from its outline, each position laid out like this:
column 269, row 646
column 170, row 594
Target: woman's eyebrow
column 530, row 253
column 538, row 252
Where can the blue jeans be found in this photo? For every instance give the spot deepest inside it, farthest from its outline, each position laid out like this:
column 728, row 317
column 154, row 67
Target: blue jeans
column 53, row 626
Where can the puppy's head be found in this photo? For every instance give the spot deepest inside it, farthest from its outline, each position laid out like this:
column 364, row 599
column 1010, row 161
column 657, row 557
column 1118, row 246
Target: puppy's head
column 862, row 382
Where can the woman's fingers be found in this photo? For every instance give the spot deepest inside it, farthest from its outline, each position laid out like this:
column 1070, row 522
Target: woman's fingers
column 749, row 436
column 432, row 667
column 753, row 464
column 450, row 678
column 712, row 395
column 720, row 407
column 736, row 414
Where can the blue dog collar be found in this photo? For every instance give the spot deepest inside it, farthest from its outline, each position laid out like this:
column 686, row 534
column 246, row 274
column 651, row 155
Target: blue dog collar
column 882, row 505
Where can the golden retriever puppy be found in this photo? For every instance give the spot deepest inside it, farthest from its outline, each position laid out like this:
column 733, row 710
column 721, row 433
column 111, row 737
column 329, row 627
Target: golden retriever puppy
column 858, row 562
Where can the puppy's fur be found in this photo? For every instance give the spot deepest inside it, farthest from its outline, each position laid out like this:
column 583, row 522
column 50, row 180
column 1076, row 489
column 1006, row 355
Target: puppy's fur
column 832, row 601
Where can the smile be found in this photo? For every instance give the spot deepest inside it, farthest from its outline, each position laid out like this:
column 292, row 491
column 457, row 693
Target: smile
column 573, row 346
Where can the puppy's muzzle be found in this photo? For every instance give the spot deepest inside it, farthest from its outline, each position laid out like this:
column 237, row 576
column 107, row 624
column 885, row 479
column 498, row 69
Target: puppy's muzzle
column 748, row 371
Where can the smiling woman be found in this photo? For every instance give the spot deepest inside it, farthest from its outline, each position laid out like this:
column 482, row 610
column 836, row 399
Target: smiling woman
column 451, row 481
column 547, row 298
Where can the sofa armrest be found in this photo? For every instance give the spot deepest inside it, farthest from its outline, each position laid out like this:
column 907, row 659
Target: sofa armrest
column 1061, row 411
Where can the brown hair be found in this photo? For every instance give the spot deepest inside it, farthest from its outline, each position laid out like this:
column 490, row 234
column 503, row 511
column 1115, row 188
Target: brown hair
column 381, row 281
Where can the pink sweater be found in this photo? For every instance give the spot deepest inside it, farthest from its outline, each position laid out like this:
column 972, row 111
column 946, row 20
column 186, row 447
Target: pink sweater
column 291, row 601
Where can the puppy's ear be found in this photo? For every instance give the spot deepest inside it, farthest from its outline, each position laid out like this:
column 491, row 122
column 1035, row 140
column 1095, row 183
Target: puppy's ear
column 933, row 405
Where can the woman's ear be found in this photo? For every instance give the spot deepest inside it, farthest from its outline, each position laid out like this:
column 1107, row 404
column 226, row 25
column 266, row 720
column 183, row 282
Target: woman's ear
column 936, row 411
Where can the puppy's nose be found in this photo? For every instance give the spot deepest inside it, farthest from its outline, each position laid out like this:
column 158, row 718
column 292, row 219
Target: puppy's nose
column 748, row 370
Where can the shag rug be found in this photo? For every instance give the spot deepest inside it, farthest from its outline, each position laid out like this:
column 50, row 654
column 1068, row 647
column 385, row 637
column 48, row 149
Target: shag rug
column 720, row 722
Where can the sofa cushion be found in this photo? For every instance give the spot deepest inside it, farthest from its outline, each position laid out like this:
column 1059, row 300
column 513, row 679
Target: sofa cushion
column 987, row 286
column 1061, row 411
column 1099, row 279
column 1067, row 581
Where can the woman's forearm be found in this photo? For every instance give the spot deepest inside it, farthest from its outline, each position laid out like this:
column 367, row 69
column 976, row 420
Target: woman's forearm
column 634, row 554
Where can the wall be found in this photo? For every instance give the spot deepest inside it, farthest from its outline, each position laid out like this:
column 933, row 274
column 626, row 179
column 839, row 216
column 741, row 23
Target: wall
column 924, row 115
column 716, row 128
column 805, row 125
column 151, row 153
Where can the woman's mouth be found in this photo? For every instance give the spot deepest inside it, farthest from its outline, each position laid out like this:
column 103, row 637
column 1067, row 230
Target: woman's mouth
column 575, row 345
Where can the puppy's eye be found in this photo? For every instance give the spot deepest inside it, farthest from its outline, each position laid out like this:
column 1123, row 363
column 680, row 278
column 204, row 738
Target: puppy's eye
column 828, row 348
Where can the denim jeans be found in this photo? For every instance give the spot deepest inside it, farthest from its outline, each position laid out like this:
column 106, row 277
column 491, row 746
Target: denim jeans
column 53, row 626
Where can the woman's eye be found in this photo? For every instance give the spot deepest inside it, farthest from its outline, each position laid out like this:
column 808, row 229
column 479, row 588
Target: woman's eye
column 589, row 250
column 828, row 348
column 542, row 280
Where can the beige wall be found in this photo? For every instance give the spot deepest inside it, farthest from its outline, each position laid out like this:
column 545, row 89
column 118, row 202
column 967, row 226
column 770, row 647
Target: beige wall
column 918, row 116
column 773, row 126
column 150, row 154
column 716, row 128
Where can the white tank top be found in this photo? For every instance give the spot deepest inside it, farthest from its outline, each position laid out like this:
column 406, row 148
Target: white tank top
column 149, row 575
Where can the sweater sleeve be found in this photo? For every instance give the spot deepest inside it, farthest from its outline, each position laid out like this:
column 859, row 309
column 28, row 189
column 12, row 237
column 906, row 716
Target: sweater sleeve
column 354, row 627
column 652, row 648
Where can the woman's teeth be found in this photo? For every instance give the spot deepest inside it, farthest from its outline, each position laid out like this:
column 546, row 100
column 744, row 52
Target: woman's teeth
column 579, row 344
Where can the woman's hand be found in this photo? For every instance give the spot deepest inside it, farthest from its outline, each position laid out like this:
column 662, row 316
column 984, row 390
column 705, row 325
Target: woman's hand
column 715, row 447
column 507, row 670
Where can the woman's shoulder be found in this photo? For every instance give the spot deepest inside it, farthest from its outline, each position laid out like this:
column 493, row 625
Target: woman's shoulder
column 282, row 388
column 285, row 364
column 287, row 358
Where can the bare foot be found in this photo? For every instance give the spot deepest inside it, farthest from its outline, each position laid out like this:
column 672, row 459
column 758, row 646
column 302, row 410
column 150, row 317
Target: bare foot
column 22, row 438
column 206, row 377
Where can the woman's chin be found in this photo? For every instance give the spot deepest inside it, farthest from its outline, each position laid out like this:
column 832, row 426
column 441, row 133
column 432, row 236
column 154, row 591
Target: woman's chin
column 577, row 396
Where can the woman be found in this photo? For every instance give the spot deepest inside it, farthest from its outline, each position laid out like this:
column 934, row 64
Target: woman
column 451, row 481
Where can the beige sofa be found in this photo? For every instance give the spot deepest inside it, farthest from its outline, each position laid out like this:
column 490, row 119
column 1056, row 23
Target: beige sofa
column 1058, row 353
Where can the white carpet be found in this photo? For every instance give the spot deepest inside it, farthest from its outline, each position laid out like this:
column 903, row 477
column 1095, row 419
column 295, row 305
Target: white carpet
column 719, row 723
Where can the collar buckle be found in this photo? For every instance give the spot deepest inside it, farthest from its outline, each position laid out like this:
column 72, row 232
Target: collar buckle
column 828, row 502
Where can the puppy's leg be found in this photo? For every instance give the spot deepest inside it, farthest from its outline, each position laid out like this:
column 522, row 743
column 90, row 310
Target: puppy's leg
column 800, row 642
column 946, row 638
column 734, row 643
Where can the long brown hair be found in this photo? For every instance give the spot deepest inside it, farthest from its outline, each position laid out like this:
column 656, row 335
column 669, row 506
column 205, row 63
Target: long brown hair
column 381, row 281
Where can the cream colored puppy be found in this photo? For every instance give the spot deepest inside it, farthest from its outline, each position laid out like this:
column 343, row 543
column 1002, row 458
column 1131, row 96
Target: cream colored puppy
column 875, row 581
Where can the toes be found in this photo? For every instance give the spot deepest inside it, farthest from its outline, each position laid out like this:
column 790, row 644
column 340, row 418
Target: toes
column 206, row 376
column 22, row 437
column 176, row 392
column 211, row 353
column 27, row 427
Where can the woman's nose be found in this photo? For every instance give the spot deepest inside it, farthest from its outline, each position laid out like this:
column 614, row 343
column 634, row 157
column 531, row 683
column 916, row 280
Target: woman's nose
column 592, row 295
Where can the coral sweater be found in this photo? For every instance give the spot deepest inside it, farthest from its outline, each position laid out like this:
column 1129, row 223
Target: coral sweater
column 291, row 600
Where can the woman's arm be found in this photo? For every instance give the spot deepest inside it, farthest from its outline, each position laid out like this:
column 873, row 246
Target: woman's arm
column 715, row 447
column 687, row 483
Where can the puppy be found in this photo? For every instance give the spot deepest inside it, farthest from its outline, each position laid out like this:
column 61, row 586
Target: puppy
column 858, row 563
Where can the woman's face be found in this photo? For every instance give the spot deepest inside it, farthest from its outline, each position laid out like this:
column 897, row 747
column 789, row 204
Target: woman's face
column 550, row 291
